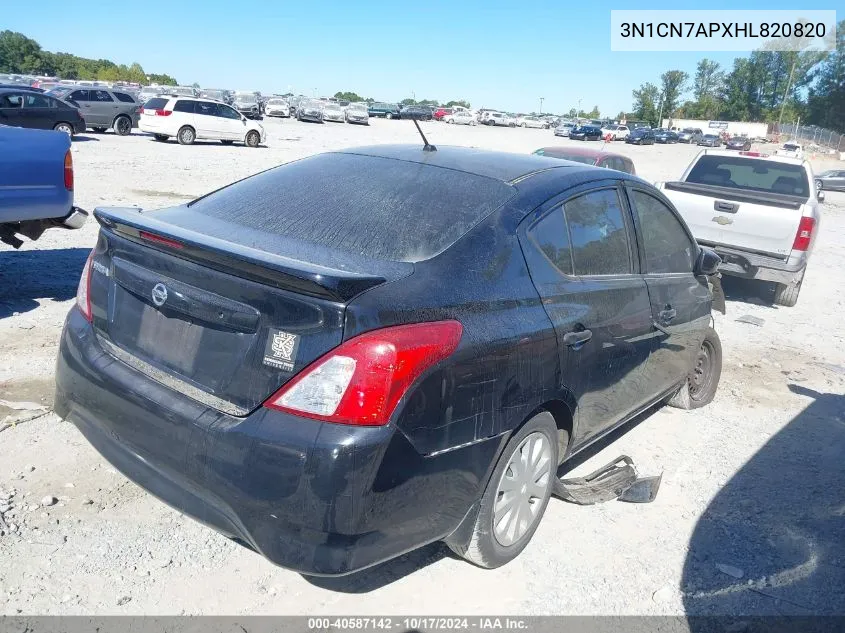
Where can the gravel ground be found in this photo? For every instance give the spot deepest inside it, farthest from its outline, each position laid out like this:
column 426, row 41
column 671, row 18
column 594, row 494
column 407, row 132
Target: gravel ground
column 749, row 518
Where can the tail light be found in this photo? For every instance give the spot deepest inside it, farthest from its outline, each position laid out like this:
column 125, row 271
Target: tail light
column 363, row 380
column 160, row 239
column 68, row 171
column 83, row 291
column 163, row 112
column 804, row 235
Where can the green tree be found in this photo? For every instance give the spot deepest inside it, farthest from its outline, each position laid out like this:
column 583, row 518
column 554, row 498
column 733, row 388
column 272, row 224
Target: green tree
column 18, row 53
column 352, row 97
column 162, row 80
column 645, row 102
column 594, row 113
column 673, row 84
column 462, row 102
column 407, row 102
column 826, row 96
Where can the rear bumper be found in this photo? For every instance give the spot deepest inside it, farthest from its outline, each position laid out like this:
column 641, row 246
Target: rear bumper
column 739, row 263
column 318, row 498
column 79, row 127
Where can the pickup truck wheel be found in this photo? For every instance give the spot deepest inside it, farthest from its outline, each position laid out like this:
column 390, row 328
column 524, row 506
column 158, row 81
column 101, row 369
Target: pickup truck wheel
column 122, row 125
column 819, row 185
column 699, row 387
column 516, row 495
column 186, row 135
column 67, row 128
column 787, row 294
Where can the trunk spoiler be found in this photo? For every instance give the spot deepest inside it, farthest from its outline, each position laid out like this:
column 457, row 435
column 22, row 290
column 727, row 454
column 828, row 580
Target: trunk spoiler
column 248, row 262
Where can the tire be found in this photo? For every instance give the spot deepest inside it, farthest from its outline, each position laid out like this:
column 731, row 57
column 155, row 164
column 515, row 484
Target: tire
column 99, row 130
column 489, row 547
column 122, row 125
column 523, row 125
column 253, row 138
column 160, row 137
column 819, row 185
column 67, row 128
column 787, row 294
column 389, row 115
column 699, row 387
column 472, row 123
column 186, row 135
column 227, row 142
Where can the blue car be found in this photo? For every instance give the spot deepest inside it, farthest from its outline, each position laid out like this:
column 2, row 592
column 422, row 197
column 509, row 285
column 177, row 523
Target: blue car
column 36, row 184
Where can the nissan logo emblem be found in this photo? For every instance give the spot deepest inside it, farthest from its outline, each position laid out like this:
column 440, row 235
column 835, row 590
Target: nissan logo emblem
column 159, row 294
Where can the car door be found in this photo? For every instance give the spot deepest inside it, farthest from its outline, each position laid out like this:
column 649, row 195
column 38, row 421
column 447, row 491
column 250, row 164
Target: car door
column 680, row 302
column 230, row 123
column 103, row 107
column 582, row 258
column 11, row 109
column 207, row 122
column 81, row 99
column 38, row 111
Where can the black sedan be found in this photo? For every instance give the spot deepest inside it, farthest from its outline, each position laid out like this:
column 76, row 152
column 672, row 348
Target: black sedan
column 641, row 136
column 586, row 133
column 710, row 140
column 420, row 113
column 739, row 142
column 22, row 107
column 665, row 136
column 400, row 349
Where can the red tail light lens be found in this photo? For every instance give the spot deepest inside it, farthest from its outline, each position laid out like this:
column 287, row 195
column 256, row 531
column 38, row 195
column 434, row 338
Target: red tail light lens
column 68, row 171
column 83, row 291
column 159, row 239
column 163, row 112
column 363, row 380
column 804, row 236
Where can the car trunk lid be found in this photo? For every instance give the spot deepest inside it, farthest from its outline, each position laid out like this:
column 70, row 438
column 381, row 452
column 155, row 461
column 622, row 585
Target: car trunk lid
column 222, row 314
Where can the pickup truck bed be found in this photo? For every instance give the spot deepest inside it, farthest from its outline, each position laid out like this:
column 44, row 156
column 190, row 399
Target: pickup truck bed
column 36, row 184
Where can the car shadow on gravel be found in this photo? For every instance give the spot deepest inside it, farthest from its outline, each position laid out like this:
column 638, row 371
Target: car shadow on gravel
column 761, row 293
column 82, row 139
column 771, row 542
column 29, row 276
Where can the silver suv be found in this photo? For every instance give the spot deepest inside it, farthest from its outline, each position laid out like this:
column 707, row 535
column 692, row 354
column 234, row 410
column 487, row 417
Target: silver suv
column 102, row 108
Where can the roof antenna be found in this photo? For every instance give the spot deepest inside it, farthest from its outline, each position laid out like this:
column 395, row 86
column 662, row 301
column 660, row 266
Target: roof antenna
column 428, row 147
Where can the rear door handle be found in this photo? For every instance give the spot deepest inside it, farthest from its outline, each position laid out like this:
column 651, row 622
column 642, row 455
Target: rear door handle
column 725, row 207
column 667, row 315
column 574, row 339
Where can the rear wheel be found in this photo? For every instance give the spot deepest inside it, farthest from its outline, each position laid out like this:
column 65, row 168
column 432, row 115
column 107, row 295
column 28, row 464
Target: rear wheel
column 516, row 495
column 122, row 125
column 787, row 294
column 67, row 128
column 253, row 138
column 186, row 135
column 700, row 386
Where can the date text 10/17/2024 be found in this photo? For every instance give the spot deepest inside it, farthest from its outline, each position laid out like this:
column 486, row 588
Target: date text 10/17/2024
column 480, row 623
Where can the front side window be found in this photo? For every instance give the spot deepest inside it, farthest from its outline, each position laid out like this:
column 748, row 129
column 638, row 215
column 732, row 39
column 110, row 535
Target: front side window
column 125, row 98
column 228, row 113
column 79, row 95
column 11, row 100
column 599, row 238
column 668, row 248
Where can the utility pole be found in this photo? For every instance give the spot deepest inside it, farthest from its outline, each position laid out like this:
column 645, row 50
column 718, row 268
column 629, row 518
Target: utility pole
column 541, row 106
column 660, row 115
column 578, row 113
column 786, row 92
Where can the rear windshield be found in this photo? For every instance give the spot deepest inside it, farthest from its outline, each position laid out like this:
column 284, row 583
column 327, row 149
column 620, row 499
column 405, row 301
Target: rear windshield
column 753, row 174
column 156, row 103
column 379, row 208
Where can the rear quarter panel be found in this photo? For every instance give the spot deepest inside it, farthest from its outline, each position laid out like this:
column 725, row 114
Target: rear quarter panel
column 32, row 174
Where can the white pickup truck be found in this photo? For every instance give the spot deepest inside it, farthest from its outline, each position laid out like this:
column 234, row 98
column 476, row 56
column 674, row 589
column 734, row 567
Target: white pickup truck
column 760, row 213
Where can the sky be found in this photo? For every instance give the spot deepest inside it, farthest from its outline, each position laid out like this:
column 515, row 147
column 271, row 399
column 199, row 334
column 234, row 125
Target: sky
column 504, row 55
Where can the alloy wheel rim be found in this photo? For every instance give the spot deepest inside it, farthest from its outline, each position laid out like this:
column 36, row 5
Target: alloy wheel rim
column 122, row 125
column 702, row 373
column 64, row 128
column 522, row 489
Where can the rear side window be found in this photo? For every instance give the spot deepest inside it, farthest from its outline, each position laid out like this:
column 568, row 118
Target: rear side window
column 668, row 248
column 376, row 207
column 99, row 95
column 551, row 236
column 184, row 105
column 598, row 235
column 36, row 101
column 79, row 95
column 751, row 174
column 124, row 97
column 156, row 103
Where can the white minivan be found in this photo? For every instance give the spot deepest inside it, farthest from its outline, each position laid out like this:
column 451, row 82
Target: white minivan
column 189, row 119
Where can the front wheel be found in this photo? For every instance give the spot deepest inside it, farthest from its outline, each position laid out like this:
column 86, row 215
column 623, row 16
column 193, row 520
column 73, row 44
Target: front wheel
column 699, row 387
column 388, row 116
column 516, row 495
column 253, row 138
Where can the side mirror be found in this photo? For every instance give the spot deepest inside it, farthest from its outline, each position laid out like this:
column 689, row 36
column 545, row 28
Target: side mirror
column 820, row 196
column 707, row 262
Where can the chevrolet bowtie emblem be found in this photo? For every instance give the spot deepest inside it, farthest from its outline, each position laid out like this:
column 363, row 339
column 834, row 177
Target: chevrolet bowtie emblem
column 720, row 219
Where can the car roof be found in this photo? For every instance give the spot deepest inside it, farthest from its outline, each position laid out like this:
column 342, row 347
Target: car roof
column 580, row 151
column 502, row 166
column 24, row 88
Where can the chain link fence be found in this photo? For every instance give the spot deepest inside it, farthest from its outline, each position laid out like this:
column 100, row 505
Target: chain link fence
column 810, row 135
